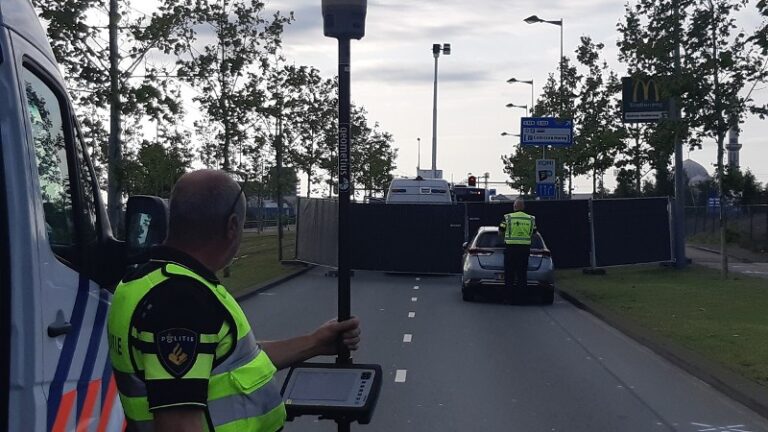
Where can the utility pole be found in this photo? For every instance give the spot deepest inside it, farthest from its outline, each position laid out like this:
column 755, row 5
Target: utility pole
column 720, row 148
column 115, row 151
column 679, row 209
column 278, row 179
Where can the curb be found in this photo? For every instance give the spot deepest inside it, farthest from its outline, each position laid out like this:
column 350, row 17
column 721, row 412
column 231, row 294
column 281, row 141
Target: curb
column 717, row 252
column 750, row 394
column 250, row 292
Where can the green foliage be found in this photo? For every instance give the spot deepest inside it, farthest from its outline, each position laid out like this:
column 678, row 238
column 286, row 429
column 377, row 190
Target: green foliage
column 229, row 72
column 155, row 167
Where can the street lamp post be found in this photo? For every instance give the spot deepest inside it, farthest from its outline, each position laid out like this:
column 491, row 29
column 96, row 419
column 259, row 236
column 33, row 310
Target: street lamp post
column 529, row 82
column 533, row 103
column 436, row 50
column 418, row 158
column 533, row 19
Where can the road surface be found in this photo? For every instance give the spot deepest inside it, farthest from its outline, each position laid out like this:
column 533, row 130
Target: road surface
column 493, row 367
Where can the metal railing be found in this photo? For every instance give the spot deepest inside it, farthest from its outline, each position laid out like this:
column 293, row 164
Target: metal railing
column 746, row 226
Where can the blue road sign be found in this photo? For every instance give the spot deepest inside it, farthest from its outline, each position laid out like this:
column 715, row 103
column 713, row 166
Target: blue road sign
column 545, row 190
column 546, row 131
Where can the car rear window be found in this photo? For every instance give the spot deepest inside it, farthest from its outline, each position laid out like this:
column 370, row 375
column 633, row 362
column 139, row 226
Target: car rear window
column 493, row 240
column 489, row 240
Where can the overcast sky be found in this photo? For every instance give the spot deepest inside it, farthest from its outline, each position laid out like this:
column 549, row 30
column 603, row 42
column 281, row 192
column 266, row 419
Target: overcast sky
column 392, row 73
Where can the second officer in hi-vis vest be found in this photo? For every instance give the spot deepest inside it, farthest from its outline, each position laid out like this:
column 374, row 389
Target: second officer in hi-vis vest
column 517, row 229
column 184, row 355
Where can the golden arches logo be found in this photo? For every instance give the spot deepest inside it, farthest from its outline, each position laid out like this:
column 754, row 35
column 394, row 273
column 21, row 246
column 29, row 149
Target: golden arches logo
column 649, row 88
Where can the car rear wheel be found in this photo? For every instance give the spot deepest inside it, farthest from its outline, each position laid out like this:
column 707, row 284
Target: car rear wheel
column 467, row 296
column 548, row 297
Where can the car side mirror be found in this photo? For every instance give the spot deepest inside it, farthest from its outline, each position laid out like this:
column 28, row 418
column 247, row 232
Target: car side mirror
column 464, row 246
column 146, row 225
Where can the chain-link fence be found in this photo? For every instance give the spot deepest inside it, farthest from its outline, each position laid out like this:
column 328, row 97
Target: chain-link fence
column 747, row 226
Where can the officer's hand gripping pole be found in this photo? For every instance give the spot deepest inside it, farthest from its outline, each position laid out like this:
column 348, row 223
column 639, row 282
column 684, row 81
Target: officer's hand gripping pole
column 343, row 20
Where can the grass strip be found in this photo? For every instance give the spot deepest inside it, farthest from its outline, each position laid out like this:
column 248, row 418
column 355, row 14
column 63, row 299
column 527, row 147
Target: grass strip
column 256, row 261
column 725, row 321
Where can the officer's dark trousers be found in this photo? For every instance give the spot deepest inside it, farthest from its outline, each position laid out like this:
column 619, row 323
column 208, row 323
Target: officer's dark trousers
column 516, row 271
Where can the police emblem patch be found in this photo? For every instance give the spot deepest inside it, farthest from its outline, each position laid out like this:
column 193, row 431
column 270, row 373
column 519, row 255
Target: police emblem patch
column 177, row 349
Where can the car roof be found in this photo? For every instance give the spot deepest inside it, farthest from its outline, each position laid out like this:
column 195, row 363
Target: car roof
column 484, row 229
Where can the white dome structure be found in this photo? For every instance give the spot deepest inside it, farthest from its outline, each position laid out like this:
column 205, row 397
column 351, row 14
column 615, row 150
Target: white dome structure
column 695, row 172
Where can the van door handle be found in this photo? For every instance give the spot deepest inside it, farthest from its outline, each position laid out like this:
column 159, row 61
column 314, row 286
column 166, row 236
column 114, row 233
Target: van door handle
column 58, row 329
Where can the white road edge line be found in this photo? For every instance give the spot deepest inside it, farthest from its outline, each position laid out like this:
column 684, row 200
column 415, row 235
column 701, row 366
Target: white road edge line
column 400, row 375
column 414, row 299
column 411, row 314
column 407, row 338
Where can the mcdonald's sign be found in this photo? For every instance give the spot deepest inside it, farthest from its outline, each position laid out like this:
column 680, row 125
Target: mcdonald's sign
column 644, row 100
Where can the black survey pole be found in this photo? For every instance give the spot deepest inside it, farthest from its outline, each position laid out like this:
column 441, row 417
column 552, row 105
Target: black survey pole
column 344, row 20
column 345, row 187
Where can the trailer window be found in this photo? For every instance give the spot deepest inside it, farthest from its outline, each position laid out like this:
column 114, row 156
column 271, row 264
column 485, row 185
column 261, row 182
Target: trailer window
column 47, row 122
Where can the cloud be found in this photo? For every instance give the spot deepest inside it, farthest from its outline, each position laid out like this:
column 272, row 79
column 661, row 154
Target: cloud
column 408, row 74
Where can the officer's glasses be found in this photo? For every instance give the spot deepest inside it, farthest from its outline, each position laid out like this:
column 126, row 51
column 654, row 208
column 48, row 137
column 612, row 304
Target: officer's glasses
column 237, row 198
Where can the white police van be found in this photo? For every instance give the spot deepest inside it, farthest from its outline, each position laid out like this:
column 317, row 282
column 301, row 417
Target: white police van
column 419, row 191
column 58, row 258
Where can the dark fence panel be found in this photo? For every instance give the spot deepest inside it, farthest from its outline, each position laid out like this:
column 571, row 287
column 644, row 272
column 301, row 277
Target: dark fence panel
column 428, row 238
column 564, row 225
column 317, row 232
column 407, row 238
column 632, row 231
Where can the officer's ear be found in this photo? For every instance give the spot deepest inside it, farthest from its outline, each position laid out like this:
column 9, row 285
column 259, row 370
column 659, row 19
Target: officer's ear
column 233, row 227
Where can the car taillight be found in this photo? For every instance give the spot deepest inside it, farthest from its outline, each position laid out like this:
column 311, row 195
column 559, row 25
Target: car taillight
column 480, row 252
column 541, row 252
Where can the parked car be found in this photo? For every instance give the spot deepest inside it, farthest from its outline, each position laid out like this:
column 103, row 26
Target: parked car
column 483, row 267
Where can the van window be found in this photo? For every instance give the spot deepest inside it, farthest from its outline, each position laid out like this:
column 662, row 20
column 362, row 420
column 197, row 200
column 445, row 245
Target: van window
column 87, row 193
column 45, row 116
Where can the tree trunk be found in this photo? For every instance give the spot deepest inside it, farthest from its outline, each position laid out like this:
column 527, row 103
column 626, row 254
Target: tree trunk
column 114, row 150
column 278, row 170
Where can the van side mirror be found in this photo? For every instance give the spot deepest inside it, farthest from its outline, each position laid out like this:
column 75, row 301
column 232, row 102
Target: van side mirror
column 146, row 225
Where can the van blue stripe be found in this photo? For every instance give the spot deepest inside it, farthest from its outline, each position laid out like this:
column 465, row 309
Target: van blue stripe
column 93, row 351
column 68, row 351
column 106, row 376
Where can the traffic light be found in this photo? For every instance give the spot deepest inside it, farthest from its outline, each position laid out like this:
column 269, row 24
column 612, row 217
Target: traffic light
column 472, row 181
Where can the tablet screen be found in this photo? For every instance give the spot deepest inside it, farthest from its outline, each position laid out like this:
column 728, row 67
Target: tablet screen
column 323, row 386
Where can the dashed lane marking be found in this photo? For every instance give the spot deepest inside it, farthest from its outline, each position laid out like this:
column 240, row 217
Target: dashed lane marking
column 407, row 338
column 414, row 299
column 416, row 287
column 400, row 375
column 411, row 314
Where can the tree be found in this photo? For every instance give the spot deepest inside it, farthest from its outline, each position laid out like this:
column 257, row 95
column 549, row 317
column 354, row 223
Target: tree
column 103, row 76
column 311, row 124
column 520, row 166
column 555, row 101
column 156, row 166
column 599, row 140
column 373, row 158
column 229, row 71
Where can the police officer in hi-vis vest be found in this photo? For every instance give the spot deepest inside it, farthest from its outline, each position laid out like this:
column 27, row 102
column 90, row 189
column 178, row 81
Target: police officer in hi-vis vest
column 517, row 229
column 184, row 355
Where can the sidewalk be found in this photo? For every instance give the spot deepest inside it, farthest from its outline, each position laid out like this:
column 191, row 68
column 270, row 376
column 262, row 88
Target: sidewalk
column 711, row 258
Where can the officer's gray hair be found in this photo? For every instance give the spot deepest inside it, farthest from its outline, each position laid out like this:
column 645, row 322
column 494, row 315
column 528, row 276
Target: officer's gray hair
column 201, row 203
column 519, row 204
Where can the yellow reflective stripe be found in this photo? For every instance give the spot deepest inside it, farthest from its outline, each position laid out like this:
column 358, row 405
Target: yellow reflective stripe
column 145, row 336
column 225, row 328
column 136, row 408
column 269, row 422
column 154, row 369
column 225, row 346
column 209, row 338
column 244, row 379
